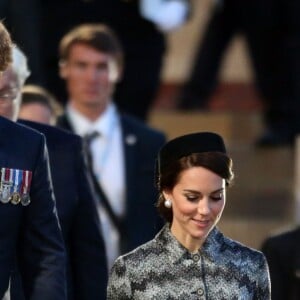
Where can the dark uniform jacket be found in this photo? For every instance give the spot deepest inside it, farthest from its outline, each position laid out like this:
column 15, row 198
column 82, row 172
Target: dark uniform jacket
column 87, row 270
column 29, row 235
column 283, row 256
column 141, row 145
column 164, row 269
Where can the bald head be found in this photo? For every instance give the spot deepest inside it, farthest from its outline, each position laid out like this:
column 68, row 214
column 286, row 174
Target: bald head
column 5, row 48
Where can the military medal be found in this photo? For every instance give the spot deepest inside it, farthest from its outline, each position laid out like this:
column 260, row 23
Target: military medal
column 25, row 199
column 15, row 186
column 15, row 197
column 6, row 185
column 5, row 192
column 26, row 181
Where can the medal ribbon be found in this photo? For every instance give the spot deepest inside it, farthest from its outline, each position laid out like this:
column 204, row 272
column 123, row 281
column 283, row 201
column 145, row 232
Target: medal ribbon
column 26, row 181
column 22, row 191
column 17, row 179
column 2, row 175
column 7, row 174
column 11, row 179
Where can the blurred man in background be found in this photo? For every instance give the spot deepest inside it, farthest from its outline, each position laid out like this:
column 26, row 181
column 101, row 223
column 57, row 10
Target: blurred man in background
column 120, row 148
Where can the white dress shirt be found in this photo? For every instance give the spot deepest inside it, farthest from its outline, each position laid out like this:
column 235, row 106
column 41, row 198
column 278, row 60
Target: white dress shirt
column 108, row 164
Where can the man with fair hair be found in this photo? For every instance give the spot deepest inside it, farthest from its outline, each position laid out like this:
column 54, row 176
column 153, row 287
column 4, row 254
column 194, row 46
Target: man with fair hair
column 122, row 149
column 30, row 237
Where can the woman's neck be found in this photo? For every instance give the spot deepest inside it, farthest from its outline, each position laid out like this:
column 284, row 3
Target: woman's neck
column 191, row 244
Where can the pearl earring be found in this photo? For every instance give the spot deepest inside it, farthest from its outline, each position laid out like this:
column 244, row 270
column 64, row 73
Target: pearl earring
column 168, row 203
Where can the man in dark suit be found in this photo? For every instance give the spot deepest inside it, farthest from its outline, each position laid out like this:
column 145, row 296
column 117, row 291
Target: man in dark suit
column 86, row 269
column 86, row 261
column 29, row 235
column 283, row 255
column 123, row 149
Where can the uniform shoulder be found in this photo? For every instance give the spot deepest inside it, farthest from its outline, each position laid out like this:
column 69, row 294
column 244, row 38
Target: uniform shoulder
column 282, row 236
column 19, row 131
column 51, row 132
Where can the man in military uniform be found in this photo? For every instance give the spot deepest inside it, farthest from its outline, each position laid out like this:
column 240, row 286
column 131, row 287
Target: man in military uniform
column 86, row 278
column 29, row 234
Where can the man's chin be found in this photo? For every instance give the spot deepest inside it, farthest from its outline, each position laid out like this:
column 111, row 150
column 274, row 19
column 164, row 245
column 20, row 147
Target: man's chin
column 92, row 101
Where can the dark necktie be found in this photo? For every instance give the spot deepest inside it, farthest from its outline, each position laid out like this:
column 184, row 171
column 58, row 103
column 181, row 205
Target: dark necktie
column 87, row 141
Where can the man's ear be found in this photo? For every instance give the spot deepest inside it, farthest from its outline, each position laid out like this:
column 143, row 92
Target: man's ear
column 120, row 74
column 115, row 72
column 62, row 69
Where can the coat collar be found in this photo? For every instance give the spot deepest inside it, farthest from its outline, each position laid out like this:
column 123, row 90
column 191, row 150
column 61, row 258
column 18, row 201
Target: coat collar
column 177, row 252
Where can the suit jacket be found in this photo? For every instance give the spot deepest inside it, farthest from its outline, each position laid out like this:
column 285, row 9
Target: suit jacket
column 30, row 234
column 141, row 145
column 283, row 256
column 87, row 270
column 164, row 269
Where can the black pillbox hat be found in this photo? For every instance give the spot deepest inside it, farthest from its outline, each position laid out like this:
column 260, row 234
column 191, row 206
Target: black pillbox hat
column 189, row 144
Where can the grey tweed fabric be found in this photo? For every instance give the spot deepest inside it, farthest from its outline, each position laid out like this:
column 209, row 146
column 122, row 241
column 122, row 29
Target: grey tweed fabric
column 163, row 269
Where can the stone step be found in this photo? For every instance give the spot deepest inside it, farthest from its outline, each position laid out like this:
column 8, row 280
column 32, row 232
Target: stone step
column 235, row 126
column 251, row 232
column 264, row 183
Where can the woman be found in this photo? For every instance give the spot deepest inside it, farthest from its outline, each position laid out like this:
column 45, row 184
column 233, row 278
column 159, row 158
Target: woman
column 190, row 258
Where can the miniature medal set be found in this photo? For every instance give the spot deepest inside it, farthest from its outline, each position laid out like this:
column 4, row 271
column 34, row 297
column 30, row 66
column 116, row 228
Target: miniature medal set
column 15, row 186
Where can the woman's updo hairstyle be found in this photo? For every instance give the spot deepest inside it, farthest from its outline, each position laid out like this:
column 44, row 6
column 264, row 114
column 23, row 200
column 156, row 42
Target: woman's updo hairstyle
column 203, row 149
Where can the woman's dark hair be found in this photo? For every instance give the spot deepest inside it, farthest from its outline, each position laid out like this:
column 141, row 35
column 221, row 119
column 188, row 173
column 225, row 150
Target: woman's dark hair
column 216, row 162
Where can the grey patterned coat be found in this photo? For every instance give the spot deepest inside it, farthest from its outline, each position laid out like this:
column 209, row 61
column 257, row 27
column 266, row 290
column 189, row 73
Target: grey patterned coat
column 163, row 269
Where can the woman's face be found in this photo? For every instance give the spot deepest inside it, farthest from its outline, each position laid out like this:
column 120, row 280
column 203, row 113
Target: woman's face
column 198, row 200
